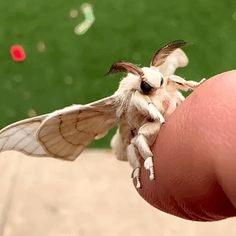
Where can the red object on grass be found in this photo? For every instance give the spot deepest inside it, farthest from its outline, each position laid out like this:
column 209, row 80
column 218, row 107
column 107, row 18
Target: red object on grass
column 17, row 53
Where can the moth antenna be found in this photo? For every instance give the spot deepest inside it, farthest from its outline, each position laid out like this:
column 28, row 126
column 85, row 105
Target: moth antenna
column 161, row 55
column 126, row 67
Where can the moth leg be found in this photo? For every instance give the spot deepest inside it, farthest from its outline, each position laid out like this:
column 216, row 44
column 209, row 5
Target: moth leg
column 144, row 104
column 134, row 162
column 193, row 84
column 155, row 112
column 184, row 84
column 144, row 140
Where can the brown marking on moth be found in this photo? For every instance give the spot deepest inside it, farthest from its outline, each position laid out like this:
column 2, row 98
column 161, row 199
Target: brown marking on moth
column 166, row 104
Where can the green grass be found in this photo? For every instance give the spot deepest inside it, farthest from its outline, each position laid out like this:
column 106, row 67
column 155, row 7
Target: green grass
column 71, row 68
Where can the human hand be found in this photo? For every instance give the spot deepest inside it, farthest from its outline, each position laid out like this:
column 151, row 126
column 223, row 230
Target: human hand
column 195, row 155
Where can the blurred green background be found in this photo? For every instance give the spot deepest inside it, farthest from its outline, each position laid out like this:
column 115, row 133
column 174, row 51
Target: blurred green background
column 63, row 68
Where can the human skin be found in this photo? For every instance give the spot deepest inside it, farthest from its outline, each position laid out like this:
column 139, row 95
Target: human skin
column 195, row 155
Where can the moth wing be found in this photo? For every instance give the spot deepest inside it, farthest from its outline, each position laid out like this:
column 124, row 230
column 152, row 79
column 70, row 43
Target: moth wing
column 175, row 60
column 65, row 133
column 20, row 136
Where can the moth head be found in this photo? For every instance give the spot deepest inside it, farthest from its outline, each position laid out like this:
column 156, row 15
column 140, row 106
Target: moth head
column 151, row 81
column 160, row 57
column 147, row 79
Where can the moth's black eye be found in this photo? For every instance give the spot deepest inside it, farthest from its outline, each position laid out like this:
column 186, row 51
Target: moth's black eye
column 146, row 88
column 162, row 81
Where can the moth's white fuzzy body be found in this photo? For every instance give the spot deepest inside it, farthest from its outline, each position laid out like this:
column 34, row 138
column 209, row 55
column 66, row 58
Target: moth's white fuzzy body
column 131, row 118
column 165, row 97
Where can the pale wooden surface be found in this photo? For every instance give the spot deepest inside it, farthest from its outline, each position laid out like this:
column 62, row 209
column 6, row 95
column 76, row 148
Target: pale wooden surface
column 91, row 196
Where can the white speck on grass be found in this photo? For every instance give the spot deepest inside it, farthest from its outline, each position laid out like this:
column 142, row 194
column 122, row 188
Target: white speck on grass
column 73, row 13
column 234, row 16
column 18, row 78
column 68, row 80
column 41, row 47
column 32, row 113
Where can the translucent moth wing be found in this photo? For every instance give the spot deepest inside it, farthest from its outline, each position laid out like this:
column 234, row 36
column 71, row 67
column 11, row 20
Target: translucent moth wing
column 170, row 57
column 21, row 137
column 64, row 133
column 163, row 53
column 176, row 59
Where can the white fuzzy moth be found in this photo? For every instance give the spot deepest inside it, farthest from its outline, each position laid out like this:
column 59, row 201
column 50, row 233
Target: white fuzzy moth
column 145, row 97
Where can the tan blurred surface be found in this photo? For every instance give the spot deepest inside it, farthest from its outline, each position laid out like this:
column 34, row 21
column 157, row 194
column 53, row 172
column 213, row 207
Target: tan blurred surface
column 92, row 196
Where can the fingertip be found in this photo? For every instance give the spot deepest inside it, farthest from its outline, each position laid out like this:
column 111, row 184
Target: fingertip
column 190, row 144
